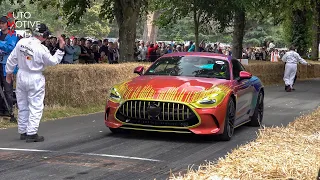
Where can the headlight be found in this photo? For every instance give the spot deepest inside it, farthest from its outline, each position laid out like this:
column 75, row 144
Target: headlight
column 207, row 101
column 114, row 94
column 211, row 99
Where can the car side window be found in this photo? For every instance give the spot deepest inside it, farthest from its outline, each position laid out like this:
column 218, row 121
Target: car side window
column 236, row 68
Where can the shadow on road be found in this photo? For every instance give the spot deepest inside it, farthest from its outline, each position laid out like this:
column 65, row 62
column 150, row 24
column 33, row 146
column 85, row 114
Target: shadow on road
column 174, row 137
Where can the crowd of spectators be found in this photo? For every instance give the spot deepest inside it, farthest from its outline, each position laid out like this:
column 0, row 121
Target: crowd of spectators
column 263, row 53
column 85, row 51
column 152, row 51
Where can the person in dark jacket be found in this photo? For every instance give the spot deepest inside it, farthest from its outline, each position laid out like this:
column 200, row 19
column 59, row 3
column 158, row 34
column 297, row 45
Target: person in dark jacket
column 8, row 41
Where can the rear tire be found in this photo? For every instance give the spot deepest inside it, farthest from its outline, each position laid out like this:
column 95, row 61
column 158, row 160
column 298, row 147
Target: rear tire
column 257, row 117
column 229, row 121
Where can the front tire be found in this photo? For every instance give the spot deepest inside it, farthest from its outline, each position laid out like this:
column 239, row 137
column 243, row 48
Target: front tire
column 229, row 121
column 257, row 117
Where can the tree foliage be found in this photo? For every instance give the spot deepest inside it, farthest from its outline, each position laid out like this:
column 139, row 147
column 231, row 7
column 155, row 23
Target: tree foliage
column 125, row 12
column 205, row 14
column 296, row 19
column 90, row 24
column 285, row 22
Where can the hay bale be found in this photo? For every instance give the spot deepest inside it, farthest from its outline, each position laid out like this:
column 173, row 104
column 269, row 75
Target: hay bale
column 310, row 72
column 291, row 152
column 79, row 85
column 316, row 70
column 248, row 68
column 302, row 72
column 269, row 73
column 255, row 68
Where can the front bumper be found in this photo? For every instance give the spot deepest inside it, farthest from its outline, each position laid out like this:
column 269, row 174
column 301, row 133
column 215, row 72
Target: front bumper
column 211, row 121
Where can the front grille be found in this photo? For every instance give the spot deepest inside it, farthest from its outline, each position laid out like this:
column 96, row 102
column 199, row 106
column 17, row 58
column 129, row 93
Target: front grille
column 156, row 113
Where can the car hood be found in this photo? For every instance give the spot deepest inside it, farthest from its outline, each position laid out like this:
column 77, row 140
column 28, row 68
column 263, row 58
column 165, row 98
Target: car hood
column 171, row 88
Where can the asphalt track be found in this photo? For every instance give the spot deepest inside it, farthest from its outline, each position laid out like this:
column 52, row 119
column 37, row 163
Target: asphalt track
column 83, row 148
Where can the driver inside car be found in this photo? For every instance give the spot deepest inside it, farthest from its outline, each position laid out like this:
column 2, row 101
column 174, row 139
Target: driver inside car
column 217, row 70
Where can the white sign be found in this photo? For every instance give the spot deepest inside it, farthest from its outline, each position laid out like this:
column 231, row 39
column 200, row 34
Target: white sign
column 244, row 61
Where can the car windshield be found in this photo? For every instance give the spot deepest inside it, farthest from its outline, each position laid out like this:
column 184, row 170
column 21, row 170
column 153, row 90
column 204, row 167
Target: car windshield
column 193, row 66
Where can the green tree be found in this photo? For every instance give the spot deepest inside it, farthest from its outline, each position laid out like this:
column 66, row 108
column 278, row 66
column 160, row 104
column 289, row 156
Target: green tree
column 257, row 32
column 297, row 18
column 315, row 30
column 243, row 11
column 204, row 14
column 125, row 12
column 91, row 24
column 253, row 14
column 6, row 7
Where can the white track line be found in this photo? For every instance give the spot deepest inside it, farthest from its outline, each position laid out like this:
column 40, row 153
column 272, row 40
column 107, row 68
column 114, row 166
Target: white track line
column 116, row 156
column 26, row 150
column 87, row 154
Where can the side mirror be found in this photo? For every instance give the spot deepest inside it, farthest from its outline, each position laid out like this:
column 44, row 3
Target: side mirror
column 245, row 75
column 138, row 70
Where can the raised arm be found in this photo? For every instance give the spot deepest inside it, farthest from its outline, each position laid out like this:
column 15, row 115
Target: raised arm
column 50, row 60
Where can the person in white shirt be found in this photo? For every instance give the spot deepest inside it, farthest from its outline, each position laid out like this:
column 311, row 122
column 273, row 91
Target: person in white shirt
column 143, row 52
column 291, row 59
column 32, row 57
column 271, row 45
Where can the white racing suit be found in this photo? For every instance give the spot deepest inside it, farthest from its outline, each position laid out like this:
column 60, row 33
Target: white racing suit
column 31, row 57
column 291, row 58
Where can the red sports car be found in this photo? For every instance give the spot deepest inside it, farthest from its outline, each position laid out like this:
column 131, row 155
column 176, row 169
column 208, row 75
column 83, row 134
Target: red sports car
column 200, row 93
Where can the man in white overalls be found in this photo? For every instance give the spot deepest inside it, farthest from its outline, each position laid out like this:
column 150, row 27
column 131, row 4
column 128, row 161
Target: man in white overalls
column 291, row 58
column 32, row 57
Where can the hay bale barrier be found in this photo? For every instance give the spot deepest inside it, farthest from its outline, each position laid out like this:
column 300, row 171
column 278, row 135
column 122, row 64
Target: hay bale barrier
column 84, row 85
column 291, row 152
column 269, row 73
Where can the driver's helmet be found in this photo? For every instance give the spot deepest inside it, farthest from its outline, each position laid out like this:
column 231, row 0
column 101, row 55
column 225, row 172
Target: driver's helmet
column 217, row 68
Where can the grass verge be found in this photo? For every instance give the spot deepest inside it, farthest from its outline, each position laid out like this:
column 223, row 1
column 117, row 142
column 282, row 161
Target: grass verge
column 56, row 112
column 291, row 152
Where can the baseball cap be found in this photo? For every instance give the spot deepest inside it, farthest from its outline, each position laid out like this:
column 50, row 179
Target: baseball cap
column 41, row 28
column 4, row 19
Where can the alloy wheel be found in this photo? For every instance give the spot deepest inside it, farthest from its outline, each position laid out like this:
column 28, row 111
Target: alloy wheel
column 231, row 116
column 260, row 108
